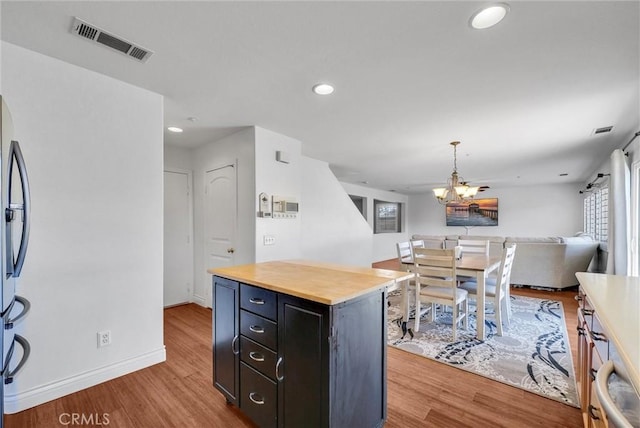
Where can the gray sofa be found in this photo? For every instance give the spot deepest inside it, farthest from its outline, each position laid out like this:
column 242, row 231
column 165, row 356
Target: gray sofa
column 549, row 262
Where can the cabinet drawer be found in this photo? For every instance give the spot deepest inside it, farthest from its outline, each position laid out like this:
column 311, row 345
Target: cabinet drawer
column 259, row 397
column 259, row 329
column 258, row 357
column 259, row 301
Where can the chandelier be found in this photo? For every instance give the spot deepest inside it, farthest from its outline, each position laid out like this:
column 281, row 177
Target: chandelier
column 457, row 189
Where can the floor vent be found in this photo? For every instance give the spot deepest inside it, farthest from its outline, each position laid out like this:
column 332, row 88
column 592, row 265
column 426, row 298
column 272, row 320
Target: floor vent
column 91, row 32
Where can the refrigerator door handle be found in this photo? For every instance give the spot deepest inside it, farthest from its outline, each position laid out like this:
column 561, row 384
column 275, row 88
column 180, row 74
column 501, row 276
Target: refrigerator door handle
column 26, row 351
column 25, row 206
column 26, row 305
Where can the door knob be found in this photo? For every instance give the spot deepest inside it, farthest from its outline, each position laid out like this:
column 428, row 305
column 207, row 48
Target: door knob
column 231, row 250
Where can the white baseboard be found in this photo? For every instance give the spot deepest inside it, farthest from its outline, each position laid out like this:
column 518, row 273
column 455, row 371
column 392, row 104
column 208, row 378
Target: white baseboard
column 199, row 300
column 14, row 403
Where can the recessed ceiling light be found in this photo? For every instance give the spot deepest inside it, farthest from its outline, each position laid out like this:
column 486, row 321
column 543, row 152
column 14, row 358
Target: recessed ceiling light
column 323, row 89
column 174, row 129
column 489, row 16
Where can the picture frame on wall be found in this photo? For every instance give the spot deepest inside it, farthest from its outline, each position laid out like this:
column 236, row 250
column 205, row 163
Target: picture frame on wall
column 475, row 212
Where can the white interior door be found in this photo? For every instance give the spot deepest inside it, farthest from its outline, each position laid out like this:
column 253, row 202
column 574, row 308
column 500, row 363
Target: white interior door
column 220, row 211
column 178, row 240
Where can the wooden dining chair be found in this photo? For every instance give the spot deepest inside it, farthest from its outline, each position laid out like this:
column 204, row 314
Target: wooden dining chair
column 497, row 290
column 404, row 251
column 435, row 276
column 416, row 243
column 474, row 246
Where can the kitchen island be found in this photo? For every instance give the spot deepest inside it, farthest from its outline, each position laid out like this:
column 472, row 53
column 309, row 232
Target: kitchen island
column 302, row 343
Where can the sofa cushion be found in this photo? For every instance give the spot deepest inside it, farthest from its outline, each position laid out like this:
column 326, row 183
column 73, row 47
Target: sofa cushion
column 541, row 240
column 428, row 237
column 584, row 239
column 492, row 239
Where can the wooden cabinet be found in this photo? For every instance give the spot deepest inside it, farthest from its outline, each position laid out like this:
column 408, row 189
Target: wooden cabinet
column 287, row 361
column 593, row 351
column 588, row 362
column 304, row 344
column 609, row 350
column 225, row 338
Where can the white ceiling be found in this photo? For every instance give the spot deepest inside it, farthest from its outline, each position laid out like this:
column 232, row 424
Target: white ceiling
column 523, row 97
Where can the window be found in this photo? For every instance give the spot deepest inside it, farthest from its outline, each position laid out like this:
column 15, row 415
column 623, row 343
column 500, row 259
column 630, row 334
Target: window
column 361, row 203
column 596, row 214
column 387, row 217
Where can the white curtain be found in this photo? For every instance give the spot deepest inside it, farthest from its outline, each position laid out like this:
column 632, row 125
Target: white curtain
column 619, row 215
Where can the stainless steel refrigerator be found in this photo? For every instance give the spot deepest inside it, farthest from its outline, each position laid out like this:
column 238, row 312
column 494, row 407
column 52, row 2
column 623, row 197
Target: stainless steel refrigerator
column 14, row 237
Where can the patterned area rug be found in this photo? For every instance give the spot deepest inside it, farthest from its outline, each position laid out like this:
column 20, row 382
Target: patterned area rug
column 533, row 353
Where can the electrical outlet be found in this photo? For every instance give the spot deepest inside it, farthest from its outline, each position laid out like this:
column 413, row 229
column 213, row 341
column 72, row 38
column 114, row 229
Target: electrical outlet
column 104, row 338
column 268, row 240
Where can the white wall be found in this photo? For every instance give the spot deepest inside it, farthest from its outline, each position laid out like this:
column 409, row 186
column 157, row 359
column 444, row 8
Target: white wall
column 282, row 179
column 237, row 148
column 178, row 158
column 93, row 148
column 384, row 244
column 332, row 228
column 549, row 210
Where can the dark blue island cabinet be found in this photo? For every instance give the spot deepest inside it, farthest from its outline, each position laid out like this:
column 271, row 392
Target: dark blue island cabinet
column 298, row 356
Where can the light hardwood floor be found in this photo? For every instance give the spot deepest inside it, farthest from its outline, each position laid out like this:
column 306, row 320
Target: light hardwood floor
column 179, row 392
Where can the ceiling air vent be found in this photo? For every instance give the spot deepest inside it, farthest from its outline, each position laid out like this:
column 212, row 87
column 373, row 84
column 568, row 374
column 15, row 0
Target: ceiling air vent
column 602, row 130
column 95, row 34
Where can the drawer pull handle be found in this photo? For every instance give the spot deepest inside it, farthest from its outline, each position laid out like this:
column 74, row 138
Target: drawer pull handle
column 587, row 312
column 256, row 301
column 580, row 331
column 233, row 345
column 593, row 415
column 598, row 336
column 256, row 356
column 256, row 329
column 258, row 398
column 278, row 364
column 607, row 405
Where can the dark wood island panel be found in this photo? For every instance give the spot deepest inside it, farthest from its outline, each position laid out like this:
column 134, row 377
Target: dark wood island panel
column 330, row 359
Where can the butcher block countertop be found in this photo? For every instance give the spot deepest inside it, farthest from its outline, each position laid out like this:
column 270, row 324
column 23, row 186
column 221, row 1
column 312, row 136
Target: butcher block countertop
column 325, row 283
column 615, row 299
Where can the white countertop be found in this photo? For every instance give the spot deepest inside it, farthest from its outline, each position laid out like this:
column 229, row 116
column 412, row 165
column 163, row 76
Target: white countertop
column 616, row 301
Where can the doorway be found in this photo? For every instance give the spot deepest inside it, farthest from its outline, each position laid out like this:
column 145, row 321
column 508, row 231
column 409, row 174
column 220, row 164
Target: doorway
column 178, row 238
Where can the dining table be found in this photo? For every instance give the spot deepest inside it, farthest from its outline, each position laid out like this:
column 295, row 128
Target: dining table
column 473, row 265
